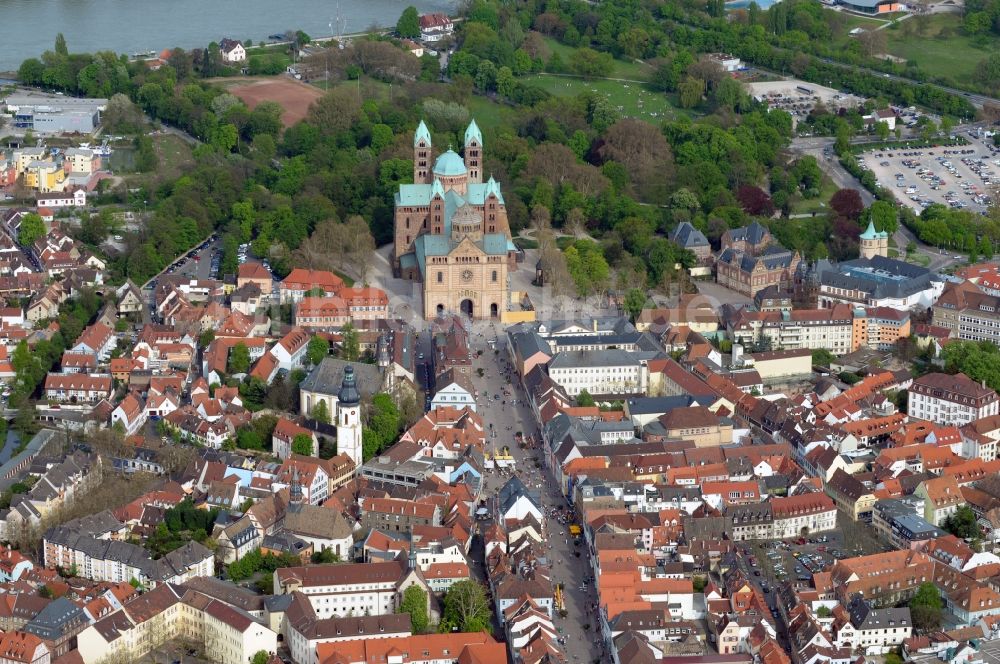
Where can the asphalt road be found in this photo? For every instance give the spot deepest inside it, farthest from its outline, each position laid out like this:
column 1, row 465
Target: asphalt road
column 504, row 420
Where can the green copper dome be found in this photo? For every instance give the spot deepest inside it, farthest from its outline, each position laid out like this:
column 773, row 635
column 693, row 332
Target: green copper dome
column 449, row 164
column 872, row 234
column 421, row 133
column 473, row 134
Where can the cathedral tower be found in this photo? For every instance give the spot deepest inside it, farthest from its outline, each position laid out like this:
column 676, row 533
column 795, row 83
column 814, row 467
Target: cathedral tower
column 422, row 154
column 474, row 152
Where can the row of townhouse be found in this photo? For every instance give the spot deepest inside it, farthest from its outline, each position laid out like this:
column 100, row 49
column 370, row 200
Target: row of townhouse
column 92, row 544
column 59, row 485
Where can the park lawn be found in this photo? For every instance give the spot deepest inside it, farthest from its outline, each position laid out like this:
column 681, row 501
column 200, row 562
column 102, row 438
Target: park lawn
column 489, row 113
column 626, row 97
column 954, row 57
column 638, row 71
column 365, row 88
column 817, row 205
column 174, row 154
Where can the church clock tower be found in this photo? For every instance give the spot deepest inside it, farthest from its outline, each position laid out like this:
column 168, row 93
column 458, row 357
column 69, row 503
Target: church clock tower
column 349, row 418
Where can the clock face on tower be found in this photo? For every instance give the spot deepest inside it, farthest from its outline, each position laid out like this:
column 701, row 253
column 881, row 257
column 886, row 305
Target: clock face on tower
column 466, row 275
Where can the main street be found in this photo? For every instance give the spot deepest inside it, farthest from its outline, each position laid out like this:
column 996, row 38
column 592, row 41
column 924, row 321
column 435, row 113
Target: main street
column 502, row 419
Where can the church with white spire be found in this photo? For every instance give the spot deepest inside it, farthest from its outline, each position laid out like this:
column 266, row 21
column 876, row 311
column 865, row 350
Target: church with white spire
column 451, row 231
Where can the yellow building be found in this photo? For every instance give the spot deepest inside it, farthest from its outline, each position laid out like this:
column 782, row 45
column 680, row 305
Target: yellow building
column 25, row 156
column 81, row 160
column 45, row 176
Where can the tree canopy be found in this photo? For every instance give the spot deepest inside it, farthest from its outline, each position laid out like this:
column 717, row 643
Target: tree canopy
column 415, row 603
column 408, row 24
column 32, row 227
column 302, row 444
column 925, row 607
column 466, row 608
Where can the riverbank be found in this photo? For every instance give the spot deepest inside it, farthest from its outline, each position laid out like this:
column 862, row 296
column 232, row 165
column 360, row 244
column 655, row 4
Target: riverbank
column 108, row 25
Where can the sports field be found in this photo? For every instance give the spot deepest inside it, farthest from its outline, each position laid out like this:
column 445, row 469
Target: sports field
column 294, row 96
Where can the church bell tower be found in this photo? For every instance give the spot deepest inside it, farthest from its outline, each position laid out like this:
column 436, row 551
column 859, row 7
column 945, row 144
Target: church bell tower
column 349, row 418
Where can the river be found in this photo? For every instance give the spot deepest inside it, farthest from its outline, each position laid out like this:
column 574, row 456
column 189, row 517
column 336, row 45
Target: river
column 132, row 26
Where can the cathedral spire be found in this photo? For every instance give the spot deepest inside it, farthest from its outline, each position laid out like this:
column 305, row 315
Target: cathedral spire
column 422, row 134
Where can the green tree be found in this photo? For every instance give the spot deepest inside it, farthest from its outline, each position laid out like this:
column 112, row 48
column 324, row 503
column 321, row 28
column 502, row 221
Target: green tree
column 260, row 657
column 206, row 338
column 239, row 359
column 979, row 360
column 849, row 377
column 822, row 357
column 589, row 63
column 350, row 346
column 962, row 523
column 842, row 144
column 318, row 349
column 408, row 24
column 225, row 137
column 635, row 299
column 324, row 557
column 32, row 227
column 466, row 608
column 320, row 412
column 415, row 603
column 302, row 444
column 823, row 612
column 690, row 92
column 925, row 608
column 584, row 400
column 61, row 48
column 882, row 130
column 505, row 81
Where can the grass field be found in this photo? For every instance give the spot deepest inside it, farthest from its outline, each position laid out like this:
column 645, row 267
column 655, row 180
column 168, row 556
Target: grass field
column 852, row 21
column 631, row 99
column 951, row 54
column 818, row 205
column 174, row 154
column 634, row 70
column 277, row 52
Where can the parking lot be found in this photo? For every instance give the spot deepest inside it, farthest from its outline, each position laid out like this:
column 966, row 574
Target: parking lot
column 799, row 98
column 797, row 559
column 961, row 177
